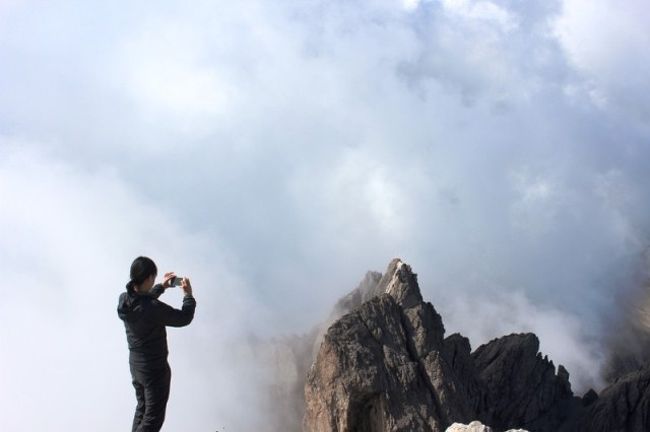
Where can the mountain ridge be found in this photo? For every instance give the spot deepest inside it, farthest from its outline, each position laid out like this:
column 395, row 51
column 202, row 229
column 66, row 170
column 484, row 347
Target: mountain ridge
column 384, row 364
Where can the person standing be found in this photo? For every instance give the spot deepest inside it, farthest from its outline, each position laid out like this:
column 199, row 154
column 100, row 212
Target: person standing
column 145, row 321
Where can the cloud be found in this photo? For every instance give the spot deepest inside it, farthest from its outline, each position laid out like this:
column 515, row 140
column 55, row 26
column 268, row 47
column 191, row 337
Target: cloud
column 482, row 11
column 563, row 338
column 605, row 41
column 288, row 148
column 167, row 81
column 68, row 238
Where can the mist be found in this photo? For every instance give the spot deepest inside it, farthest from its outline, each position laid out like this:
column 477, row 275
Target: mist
column 275, row 152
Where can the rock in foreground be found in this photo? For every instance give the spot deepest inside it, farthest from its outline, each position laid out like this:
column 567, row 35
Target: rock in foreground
column 475, row 426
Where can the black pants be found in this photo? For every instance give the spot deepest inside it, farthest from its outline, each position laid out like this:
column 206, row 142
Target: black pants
column 152, row 391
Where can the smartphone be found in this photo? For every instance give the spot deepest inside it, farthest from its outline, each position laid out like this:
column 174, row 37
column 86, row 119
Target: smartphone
column 177, row 281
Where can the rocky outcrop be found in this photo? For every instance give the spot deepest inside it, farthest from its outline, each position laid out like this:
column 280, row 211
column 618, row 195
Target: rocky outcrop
column 624, row 406
column 386, row 366
column 367, row 377
column 362, row 293
column 522, row 387
column 380, row 367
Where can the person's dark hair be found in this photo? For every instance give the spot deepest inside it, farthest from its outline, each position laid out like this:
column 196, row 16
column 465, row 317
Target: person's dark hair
column 141, row 268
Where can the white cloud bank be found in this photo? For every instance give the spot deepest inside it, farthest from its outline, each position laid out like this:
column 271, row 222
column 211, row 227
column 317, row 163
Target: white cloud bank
column 606, row 41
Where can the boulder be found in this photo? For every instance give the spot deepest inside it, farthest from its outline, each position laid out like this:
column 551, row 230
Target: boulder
column 475, row 426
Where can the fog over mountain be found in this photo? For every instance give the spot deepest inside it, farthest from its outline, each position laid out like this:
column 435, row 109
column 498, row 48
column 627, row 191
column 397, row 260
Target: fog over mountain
column 276, row 151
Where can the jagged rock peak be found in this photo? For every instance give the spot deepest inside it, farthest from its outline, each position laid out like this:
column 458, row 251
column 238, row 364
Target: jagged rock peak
column 522, row 386
column 361, row 294
column 386, row 366
column 398, row 281
column 401, row 283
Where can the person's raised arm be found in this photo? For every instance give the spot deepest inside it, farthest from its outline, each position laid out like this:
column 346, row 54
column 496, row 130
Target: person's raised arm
column 164, row 314
column 158, row 289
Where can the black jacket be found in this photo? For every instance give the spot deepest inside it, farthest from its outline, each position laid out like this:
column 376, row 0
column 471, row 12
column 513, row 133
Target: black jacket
column 145, row 318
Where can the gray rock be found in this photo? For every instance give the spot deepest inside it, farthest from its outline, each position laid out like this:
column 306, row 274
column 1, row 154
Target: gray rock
column 590, row 397
column 456, row 350
column 381, row 363
column 362, row 293
column 386, row 366
column 522, row 387
column 366, row 379
column 380, row 367
column 401, row 283
column 624, row 406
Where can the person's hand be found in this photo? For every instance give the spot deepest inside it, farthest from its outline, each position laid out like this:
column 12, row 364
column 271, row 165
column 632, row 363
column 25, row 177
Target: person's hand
column 169, row 276
column 186, row 286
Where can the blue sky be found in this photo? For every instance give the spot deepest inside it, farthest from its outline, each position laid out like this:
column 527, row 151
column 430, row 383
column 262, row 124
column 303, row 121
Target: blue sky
column 275, row 152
